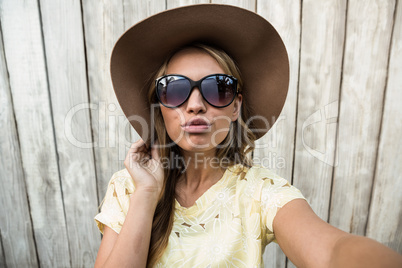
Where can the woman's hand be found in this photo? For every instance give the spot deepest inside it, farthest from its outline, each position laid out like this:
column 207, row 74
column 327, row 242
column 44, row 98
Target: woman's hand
column 143, row 164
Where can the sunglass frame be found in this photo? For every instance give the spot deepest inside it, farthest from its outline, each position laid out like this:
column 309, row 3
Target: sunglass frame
column 194, row 84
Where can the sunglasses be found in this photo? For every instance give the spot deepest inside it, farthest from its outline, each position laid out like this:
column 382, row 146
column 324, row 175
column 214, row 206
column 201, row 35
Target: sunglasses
column 219, row 90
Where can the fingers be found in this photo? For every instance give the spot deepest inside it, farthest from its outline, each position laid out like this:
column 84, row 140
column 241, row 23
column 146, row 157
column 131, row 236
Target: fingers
column 136, row 153
column 139, row 146
column 140, row 152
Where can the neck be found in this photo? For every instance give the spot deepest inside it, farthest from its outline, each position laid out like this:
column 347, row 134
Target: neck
column 201, row 168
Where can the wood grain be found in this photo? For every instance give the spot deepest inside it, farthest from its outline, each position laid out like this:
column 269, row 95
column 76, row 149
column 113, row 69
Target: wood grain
column 364, row 75
column 65, row 58
column 23, row 47
column 103, row 24
column 247, row 4
column 17, row 246
column 2, row 255
column 275, row 149
column 323, row 25
column 385, row 217
column 179, row 3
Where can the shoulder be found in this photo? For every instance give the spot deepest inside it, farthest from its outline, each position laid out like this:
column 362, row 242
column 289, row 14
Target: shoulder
column 258, row 175
column 118, row 192
column 263, row 185
column 121, row 175
column 261, row 173
column 270, row 191
column 122, row 181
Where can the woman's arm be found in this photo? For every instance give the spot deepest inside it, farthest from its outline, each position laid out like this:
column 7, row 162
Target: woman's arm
column 309, row 241
column 130, row 247
column 359, row 251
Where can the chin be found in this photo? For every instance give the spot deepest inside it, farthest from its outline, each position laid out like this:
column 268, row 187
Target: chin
column 198, row 145
column 198, row 142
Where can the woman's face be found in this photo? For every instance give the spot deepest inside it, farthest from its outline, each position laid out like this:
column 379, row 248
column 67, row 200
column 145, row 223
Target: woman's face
column 196, row 64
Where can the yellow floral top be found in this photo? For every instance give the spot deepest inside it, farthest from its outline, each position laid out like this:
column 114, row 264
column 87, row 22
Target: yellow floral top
column 228, row 226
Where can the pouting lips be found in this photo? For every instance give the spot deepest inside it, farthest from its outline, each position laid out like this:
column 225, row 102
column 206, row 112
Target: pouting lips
column 196, row 122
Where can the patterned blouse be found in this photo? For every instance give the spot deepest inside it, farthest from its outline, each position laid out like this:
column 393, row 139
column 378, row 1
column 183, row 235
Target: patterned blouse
column 228, row 226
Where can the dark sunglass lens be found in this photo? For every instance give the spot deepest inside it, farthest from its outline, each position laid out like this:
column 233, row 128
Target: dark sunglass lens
column 173, row 90
column 218, row 90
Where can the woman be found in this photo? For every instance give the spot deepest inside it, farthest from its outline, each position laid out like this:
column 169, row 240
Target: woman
column 189, row 195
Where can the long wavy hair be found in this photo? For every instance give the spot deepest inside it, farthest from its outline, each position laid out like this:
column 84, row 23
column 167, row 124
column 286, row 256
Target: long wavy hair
column 236, row 148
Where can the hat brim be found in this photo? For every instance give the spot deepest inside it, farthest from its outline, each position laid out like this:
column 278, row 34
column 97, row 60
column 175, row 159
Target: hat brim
column 246, row 36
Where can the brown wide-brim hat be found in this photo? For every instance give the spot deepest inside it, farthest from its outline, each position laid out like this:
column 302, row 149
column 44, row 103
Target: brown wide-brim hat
column 247, row 37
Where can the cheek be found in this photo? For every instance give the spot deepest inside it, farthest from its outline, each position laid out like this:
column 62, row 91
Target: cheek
column 171, row 118
column 222, row 126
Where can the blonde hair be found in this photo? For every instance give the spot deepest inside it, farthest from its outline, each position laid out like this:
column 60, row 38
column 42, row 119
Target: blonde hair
column 240, row 144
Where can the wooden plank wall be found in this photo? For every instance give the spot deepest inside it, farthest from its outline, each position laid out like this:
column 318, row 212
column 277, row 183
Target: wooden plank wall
column 64, row 135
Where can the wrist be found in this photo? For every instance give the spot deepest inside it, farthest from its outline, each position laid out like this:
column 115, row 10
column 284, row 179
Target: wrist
column 146, row 196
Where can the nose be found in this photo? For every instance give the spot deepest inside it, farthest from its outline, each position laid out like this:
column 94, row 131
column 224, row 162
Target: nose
column 195, row 103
